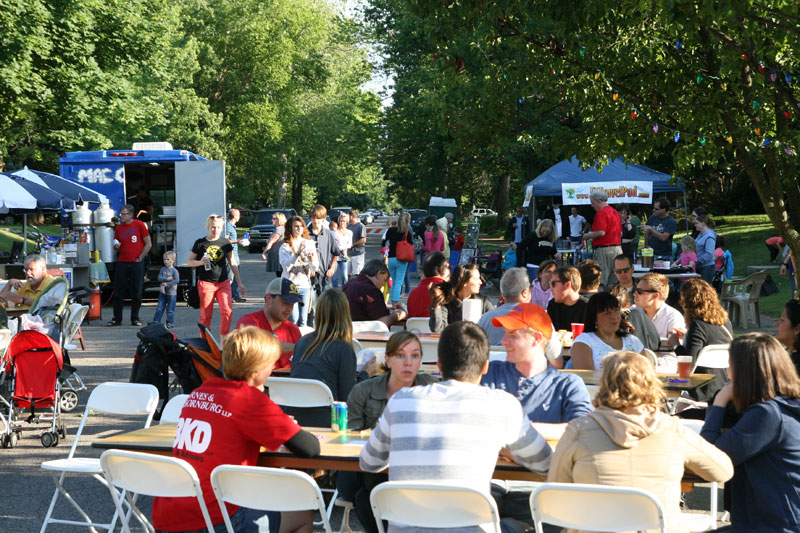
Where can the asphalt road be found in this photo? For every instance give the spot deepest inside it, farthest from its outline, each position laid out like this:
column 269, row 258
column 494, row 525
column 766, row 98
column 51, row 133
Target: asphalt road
column 108, row 357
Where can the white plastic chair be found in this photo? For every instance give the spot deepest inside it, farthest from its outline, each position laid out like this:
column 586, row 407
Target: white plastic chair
column 417, row 323
column 357, row 346
column 601, row 507
column 77, row 313
column 694, row 521
column 593, row 390
column 651, row 356
column 712, row 356
column 498, row 356
column 430, row 350
column 296, row 392
column 270, row 489
column 305, row 330
column 172, row 411
column 370, row 325
column 433, row 504
column 122, row 399
column 151, row 475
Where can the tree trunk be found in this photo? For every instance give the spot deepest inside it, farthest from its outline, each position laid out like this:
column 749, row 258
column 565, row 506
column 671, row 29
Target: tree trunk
column 283, row 183
column 297, row 187
column 501, row 200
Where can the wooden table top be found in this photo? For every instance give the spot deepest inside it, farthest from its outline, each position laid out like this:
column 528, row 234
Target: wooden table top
column 383, row 336
column 338, row 451
column 671, row 382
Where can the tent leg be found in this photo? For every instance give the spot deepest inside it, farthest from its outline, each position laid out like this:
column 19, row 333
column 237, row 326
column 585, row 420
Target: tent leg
column 25, row 235
column 685, row 210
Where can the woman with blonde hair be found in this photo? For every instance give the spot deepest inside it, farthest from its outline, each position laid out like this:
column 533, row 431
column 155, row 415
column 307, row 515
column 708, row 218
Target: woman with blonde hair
column 447, row 298
column 397, row 268
column 326, row 354
column 764, row 445
column 538, row 246
column 707, row 323
column 630, row 441
column 300, row 261
column 344, row 239
column 272, row 249
column 212, row 256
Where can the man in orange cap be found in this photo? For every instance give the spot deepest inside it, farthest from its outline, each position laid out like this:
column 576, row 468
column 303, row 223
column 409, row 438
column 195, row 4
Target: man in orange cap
column 550, row 398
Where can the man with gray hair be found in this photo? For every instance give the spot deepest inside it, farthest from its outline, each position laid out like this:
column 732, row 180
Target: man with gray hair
column 606, row 235
column 23, row 293
column 515, row 286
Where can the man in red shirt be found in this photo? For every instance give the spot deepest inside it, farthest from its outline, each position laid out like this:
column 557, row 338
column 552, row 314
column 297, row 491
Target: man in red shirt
column 133, row 243
column 436, row 269
column 274, row 317
column 606, row 235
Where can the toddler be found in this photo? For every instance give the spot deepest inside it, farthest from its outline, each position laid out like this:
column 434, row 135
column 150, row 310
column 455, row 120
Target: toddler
column 168, row 292
column 688, row 253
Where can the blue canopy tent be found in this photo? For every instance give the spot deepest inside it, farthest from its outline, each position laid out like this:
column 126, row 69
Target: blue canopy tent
column 548, row 183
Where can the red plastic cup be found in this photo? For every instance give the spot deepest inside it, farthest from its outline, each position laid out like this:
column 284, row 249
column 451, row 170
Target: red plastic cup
column 577, row 329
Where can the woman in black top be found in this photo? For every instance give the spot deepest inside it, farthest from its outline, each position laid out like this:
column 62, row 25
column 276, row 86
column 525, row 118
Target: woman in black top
column 447, row 298
column 707, row 323
column 211, row 256
column 397, row 268
column 539, row 245
column 788, row 326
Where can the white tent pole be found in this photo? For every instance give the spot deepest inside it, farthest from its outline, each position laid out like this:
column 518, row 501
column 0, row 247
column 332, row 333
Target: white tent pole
column 25, row 235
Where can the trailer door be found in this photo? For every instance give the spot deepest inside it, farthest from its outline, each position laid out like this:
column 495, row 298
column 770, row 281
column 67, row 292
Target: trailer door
column 199, row 191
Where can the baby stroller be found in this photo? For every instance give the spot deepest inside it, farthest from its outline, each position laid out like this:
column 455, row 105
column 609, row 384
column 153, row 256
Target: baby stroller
column 62, row 315
column 32, row 363
column 159, row 350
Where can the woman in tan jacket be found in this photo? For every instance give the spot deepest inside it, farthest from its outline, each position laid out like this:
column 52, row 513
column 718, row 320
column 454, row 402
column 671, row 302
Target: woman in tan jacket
column 629, row 441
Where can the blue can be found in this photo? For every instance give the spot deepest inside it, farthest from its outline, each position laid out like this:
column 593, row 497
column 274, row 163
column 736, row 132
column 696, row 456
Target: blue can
column 339, row 416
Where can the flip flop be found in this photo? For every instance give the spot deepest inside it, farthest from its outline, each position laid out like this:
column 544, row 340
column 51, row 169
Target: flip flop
column 114, row 323
column 137, row 323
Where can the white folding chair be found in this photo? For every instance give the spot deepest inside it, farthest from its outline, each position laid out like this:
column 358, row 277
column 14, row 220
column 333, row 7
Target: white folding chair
column 172, row 411
column 601, row 507
column 122, row 399
column 370, row 325
column 498, row 353
column 269, row 489
column 305, row 330
column 296, row 392
column 712, row 356
column 77, row 313
column 695, row 521
column 430, row 350
column 433, row 504
column 417, row 323
column 651, row 356
column 151, row 475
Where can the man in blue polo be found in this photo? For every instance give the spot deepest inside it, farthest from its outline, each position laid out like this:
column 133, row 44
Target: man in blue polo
column 550, row 398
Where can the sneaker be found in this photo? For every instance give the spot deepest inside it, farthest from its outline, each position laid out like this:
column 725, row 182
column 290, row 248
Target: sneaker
column 170, row 326
column 115, row 323
column 239, row 300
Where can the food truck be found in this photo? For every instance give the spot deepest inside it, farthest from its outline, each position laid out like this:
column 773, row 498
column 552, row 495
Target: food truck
column 184, row 188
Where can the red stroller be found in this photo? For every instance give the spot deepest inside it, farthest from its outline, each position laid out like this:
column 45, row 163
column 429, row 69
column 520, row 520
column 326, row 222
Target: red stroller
column 32, row 363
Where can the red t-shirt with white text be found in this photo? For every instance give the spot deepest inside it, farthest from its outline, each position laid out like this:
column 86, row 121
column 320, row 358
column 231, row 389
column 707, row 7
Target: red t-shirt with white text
column 286, row 332
column 223, row 422
column 131, row 238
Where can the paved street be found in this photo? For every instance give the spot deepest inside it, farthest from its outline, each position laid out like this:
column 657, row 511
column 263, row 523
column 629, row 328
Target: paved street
column 108, row 357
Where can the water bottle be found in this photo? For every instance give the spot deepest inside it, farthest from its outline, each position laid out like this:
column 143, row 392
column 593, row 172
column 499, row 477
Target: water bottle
column 245, row 240
column 206, row 265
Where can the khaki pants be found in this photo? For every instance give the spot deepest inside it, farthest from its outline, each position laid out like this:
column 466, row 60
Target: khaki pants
column 605, row 257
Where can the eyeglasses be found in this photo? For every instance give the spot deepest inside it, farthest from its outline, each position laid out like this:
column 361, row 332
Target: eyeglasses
column 122, row 213
column 554, row 281
column 643, row 291
column 622, row 270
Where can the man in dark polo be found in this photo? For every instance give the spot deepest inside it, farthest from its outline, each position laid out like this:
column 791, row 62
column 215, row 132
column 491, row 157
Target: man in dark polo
column 365, row 297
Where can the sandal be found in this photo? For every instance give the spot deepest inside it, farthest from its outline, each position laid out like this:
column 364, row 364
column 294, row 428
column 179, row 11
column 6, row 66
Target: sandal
column 114, row 323
column 137, row 323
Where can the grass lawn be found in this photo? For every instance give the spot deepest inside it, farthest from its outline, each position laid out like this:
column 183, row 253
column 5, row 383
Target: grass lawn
column 13, row 233
column 745, row 235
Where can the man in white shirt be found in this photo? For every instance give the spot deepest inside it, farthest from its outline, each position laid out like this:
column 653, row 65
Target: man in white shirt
column 515, row 287
column 518, row 226
column 651, row 296
column 576, row 225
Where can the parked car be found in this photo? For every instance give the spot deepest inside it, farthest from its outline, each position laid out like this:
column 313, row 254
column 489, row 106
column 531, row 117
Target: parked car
column 336, row 211
column 482, row 212
column 263, row 228
column 366, row 218
column 246, row 217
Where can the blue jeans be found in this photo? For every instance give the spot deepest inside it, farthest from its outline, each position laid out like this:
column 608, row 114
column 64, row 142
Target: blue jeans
column 707, row 272
column 340, row 276
column 300, row 312
column 166, row 301
column 397, row 270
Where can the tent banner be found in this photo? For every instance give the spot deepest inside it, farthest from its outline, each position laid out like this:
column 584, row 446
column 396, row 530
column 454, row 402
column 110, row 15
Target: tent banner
column 619, row 192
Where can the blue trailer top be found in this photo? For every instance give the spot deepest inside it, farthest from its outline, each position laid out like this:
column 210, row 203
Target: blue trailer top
column 129, row 156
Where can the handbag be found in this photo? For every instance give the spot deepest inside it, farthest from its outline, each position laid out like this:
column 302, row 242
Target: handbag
column 404, row 251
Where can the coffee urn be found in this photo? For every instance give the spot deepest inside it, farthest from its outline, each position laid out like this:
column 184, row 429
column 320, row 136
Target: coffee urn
column 104, row 233
column 82, row 224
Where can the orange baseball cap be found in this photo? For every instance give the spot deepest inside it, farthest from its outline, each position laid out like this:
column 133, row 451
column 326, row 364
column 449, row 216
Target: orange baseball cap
column 526, row 316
